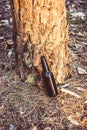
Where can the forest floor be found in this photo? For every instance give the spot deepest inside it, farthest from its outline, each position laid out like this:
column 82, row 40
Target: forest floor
column 24, row 107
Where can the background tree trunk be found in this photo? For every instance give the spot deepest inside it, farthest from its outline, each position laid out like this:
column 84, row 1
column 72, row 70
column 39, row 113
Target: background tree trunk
column 40, row 28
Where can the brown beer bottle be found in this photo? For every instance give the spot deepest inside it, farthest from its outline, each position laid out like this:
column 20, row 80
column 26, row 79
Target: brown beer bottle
column 49, row 80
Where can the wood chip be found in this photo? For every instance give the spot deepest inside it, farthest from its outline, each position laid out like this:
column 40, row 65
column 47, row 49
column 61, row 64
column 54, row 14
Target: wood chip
column 70, row 92
column 64, row 86
column 47, row 128
column 1, row 109
column 80, row 34
column 73, row 121
column 85, row 102
column 81, row 70
column 33, row 128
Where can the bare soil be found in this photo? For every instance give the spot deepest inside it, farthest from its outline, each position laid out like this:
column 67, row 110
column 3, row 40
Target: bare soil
column 23, row 106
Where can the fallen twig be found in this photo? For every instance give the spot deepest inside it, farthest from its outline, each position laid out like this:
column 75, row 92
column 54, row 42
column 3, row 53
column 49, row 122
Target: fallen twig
column 81, row 89
column 70, row 92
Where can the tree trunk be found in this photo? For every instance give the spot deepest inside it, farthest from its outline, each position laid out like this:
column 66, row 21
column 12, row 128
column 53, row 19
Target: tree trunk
column 40, row 28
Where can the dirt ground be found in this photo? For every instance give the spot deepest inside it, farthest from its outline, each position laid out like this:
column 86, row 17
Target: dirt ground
column 24, row 107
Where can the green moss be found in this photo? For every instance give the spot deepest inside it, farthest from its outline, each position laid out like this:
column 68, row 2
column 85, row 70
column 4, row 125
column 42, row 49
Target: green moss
column 75, row 21
column 72, row 20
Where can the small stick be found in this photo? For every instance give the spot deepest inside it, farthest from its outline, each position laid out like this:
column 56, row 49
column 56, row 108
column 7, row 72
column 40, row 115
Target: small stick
column 70, row 92
column 81, row 89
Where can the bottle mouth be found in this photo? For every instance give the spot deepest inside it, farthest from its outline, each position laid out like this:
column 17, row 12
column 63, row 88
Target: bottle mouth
column 44, row 64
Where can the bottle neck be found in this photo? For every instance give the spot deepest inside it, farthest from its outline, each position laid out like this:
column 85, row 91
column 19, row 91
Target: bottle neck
column 44, row 64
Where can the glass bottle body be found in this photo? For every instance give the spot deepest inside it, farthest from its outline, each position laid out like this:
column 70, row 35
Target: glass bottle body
column 49, row 80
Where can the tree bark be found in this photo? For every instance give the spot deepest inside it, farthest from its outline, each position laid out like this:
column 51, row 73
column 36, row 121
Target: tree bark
column 40, row 28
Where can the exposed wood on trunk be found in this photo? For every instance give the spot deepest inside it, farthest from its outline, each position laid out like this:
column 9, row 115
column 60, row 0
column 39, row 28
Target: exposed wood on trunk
column 42, row 30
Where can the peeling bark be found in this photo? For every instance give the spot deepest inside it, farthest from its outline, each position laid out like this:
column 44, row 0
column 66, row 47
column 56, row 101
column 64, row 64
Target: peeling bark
column 41, row 30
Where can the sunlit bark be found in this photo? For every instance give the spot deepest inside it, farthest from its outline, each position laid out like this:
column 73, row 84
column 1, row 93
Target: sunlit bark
column 41, row 29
